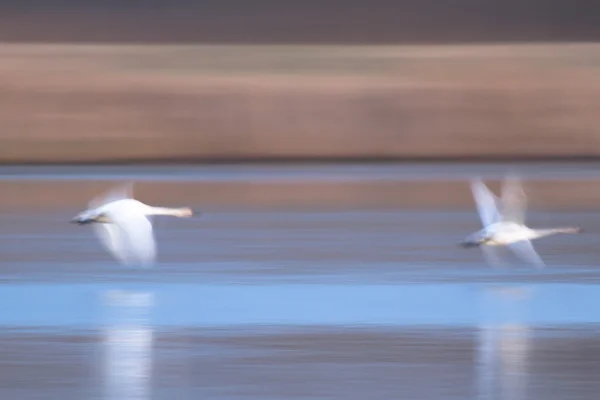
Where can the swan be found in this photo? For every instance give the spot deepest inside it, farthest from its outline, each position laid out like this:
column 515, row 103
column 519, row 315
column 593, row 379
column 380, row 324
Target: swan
column 123, row 224
column 506, row 226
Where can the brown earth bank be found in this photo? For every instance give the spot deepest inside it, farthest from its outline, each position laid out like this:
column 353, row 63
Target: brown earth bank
column 68, row 103
column 555, row 195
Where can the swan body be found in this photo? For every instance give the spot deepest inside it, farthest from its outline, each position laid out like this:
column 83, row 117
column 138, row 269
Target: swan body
column 504, row 223
column 123, row 225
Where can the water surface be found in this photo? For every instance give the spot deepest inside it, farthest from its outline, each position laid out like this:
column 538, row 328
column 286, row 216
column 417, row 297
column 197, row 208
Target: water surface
column 320, row 304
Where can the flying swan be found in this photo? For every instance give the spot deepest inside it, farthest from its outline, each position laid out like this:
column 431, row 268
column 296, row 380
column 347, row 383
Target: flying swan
column 123, row 225
column 506, row 226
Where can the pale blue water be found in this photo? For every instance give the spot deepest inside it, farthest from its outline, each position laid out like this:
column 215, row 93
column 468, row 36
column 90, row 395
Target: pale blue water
column 336, row 304
column 81, row 306
column 300, row 172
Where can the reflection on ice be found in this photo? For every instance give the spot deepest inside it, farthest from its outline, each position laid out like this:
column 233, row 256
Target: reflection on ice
column 128, row 340
column 504, row 344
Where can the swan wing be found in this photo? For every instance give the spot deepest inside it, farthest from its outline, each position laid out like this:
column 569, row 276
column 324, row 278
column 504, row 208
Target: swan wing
column 486, row 203
column 130, row 237
column 113, row 240
column 524, row 250
column 514, row 200
column 120, row 192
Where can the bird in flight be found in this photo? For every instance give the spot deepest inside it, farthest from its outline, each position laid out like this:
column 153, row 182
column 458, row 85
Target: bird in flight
column 124, row 225
column 504, row 223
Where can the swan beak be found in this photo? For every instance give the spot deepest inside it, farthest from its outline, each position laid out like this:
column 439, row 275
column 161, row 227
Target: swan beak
column 196, row 213
column 466, row 244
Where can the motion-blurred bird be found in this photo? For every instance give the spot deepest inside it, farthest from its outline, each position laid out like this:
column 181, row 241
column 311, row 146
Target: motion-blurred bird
column 506, row 227
column 123, row 225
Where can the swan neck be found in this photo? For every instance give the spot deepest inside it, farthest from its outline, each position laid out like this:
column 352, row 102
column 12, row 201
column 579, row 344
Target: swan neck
column 165, row 211
column 553, row 231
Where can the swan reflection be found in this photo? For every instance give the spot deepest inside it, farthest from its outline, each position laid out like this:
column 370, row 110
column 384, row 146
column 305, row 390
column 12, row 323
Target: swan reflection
column 503, row 346
column 128, row 340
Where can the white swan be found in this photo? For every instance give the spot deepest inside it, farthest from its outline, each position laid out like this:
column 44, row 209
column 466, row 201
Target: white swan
column 123, row 225
column 506, row 227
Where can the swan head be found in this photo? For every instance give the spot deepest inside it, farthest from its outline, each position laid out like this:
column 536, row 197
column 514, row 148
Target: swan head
column 186, row 212
column 575, row 230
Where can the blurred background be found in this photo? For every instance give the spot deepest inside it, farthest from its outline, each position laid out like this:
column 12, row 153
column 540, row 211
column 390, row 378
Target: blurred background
column 329, row 146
